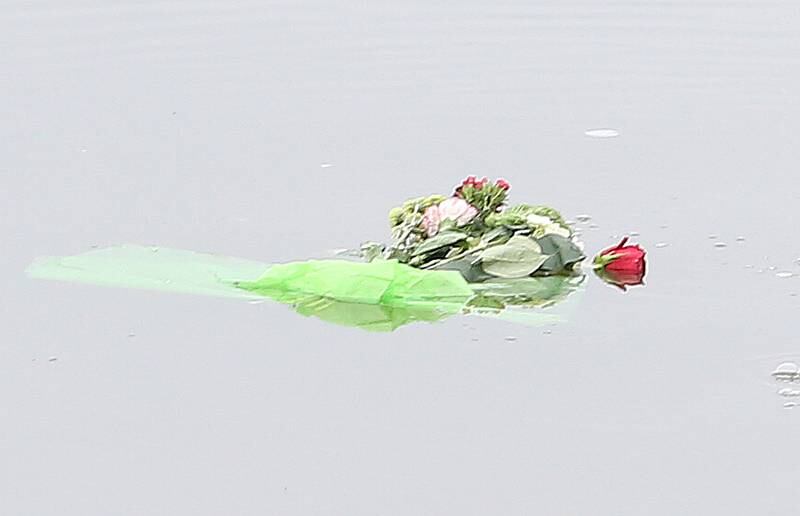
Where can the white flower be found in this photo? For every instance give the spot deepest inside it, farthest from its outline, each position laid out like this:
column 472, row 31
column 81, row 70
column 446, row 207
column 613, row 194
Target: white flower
column 538, row 220
column 556, row 229
column 456, row 209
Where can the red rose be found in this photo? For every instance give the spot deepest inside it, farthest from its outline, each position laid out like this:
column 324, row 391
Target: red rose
column 502, row 184
column 622, row 265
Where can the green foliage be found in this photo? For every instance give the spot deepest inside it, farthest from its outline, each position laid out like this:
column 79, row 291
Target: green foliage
column 563, row 254
column 437, row 242
column 488, row 198
column 519, row 215
column 517, row 258
column 513, row 242
column 413, row 207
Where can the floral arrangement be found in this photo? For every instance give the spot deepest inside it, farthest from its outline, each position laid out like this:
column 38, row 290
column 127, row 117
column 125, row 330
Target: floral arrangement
column 475, row 232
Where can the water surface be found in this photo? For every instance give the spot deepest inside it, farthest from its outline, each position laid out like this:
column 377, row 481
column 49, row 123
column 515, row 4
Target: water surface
column 278, row 130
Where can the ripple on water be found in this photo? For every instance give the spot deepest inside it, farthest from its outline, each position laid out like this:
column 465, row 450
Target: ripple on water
column 787, row 372
column 601, row 132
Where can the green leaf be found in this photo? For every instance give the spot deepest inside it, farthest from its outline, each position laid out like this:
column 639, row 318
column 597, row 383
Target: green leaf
column 564, row 254
column 497, row 235
column 438, row 241
column 467, row 266
column 517, row 258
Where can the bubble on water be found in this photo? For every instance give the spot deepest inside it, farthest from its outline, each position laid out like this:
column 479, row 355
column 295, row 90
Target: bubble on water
column 601, row 132
column 784, row 274
column 583, row 218
column 787, row 372
column 787, row 392
column 510, row 338
column 720, row 245
column 661, row 245
column 52, row 359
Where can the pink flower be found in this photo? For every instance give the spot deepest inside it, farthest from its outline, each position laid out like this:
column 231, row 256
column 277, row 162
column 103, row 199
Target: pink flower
column 456, row 209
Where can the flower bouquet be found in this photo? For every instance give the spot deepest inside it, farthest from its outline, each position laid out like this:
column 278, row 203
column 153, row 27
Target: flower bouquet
column 468, row 253
column 476, row 233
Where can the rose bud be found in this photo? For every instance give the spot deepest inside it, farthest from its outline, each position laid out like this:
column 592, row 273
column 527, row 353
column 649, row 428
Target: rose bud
column 480, row 184
column 469, row 181
column 502, row 184
column 622, row 265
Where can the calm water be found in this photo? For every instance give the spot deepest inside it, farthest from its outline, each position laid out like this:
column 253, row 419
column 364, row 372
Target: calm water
column 279, row 130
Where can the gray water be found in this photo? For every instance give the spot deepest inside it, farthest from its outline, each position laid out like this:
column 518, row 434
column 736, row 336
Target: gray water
column 280, row 130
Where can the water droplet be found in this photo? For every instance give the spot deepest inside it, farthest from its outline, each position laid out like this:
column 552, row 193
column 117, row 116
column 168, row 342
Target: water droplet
column 789, row 404
column 601, row 132
column 786, row 372
column 52, row 359
column 325, row 165
column 720, row 245
column 583, row 218
column 594, row 226
column 772, row 267
column 740, row 239
column 633, row 233
column 784, row 274
column 511, row 338
column 661, row 245
column 712, row 237
column 787, row 392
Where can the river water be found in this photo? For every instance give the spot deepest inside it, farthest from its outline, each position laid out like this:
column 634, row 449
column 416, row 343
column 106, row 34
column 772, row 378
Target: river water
column 278, row 131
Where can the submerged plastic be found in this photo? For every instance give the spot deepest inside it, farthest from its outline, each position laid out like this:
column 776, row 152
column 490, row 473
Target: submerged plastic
column 375, row 296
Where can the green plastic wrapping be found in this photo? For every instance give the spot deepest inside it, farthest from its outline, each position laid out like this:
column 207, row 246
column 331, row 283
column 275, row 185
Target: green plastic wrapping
column 375, row 296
